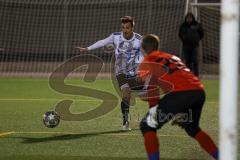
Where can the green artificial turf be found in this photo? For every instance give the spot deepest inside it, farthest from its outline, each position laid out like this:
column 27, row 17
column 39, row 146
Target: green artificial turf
column 23, row 135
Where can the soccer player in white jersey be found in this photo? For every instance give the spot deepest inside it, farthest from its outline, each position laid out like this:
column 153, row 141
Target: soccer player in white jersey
column 128, row 56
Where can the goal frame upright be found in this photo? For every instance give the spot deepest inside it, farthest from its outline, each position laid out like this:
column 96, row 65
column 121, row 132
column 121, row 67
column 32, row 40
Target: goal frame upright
column 229, row 79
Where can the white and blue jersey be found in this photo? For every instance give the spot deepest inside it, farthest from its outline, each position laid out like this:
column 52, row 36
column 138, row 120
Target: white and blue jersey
column 127, row 52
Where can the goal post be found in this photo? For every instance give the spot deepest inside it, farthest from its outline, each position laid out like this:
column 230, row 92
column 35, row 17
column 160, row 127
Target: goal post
column 229, row 79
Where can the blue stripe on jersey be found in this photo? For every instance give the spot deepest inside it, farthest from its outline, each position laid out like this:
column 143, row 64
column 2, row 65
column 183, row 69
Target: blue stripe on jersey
column 138, row 36
column 117, row 33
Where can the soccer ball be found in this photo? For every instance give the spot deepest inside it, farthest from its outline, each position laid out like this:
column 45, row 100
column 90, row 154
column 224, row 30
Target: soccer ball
column 51, row 119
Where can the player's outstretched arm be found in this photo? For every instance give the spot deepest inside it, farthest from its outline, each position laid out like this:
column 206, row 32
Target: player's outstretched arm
column 97, row 44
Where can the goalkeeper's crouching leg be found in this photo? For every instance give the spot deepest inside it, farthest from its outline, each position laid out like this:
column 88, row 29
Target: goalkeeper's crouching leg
column 150, row 140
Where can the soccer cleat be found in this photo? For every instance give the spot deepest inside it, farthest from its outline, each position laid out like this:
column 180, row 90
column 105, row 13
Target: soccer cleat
column 126, row 127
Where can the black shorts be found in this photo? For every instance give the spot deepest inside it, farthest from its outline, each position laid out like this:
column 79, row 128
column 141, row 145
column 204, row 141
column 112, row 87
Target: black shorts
column 186, row 103
column 127, row 81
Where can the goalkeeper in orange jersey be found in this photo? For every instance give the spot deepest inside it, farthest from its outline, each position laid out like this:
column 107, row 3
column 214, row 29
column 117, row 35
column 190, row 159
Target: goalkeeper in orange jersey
column 183, row 94
column 127, row 58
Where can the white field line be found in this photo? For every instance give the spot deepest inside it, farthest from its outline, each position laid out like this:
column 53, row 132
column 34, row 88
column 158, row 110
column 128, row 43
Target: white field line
column 5, row 134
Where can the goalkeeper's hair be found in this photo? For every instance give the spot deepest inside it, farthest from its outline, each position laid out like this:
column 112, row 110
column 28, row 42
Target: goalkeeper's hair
column 150, row 43
column 128, row 19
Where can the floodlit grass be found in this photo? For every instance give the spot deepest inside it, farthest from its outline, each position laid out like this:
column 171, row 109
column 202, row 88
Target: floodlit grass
column 23, row 135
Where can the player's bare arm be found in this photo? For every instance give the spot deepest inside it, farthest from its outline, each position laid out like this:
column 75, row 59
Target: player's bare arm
column 82, row 49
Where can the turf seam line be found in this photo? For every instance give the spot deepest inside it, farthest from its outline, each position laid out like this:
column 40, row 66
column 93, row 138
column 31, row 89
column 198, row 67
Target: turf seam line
column 45, row 99
column 57, row 99
column 75, row 133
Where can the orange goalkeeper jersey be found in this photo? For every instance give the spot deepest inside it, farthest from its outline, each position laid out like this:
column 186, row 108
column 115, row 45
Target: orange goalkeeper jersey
column 168, row 73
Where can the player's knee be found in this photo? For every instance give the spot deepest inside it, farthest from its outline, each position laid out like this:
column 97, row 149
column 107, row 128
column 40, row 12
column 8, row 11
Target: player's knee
column 126, row 97
column 192, row 131
column 145, row 128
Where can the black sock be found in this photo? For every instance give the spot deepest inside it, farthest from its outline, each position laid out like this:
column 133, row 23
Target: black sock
column 125, row 111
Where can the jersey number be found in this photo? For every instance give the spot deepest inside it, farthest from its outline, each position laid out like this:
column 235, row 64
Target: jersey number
column 172, row 64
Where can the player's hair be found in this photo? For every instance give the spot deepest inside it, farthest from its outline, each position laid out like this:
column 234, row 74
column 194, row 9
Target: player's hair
column 150, row 43
column 128, row 19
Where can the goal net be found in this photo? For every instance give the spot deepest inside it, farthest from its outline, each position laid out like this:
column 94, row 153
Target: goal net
column 38, row 36
column 209, row 17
